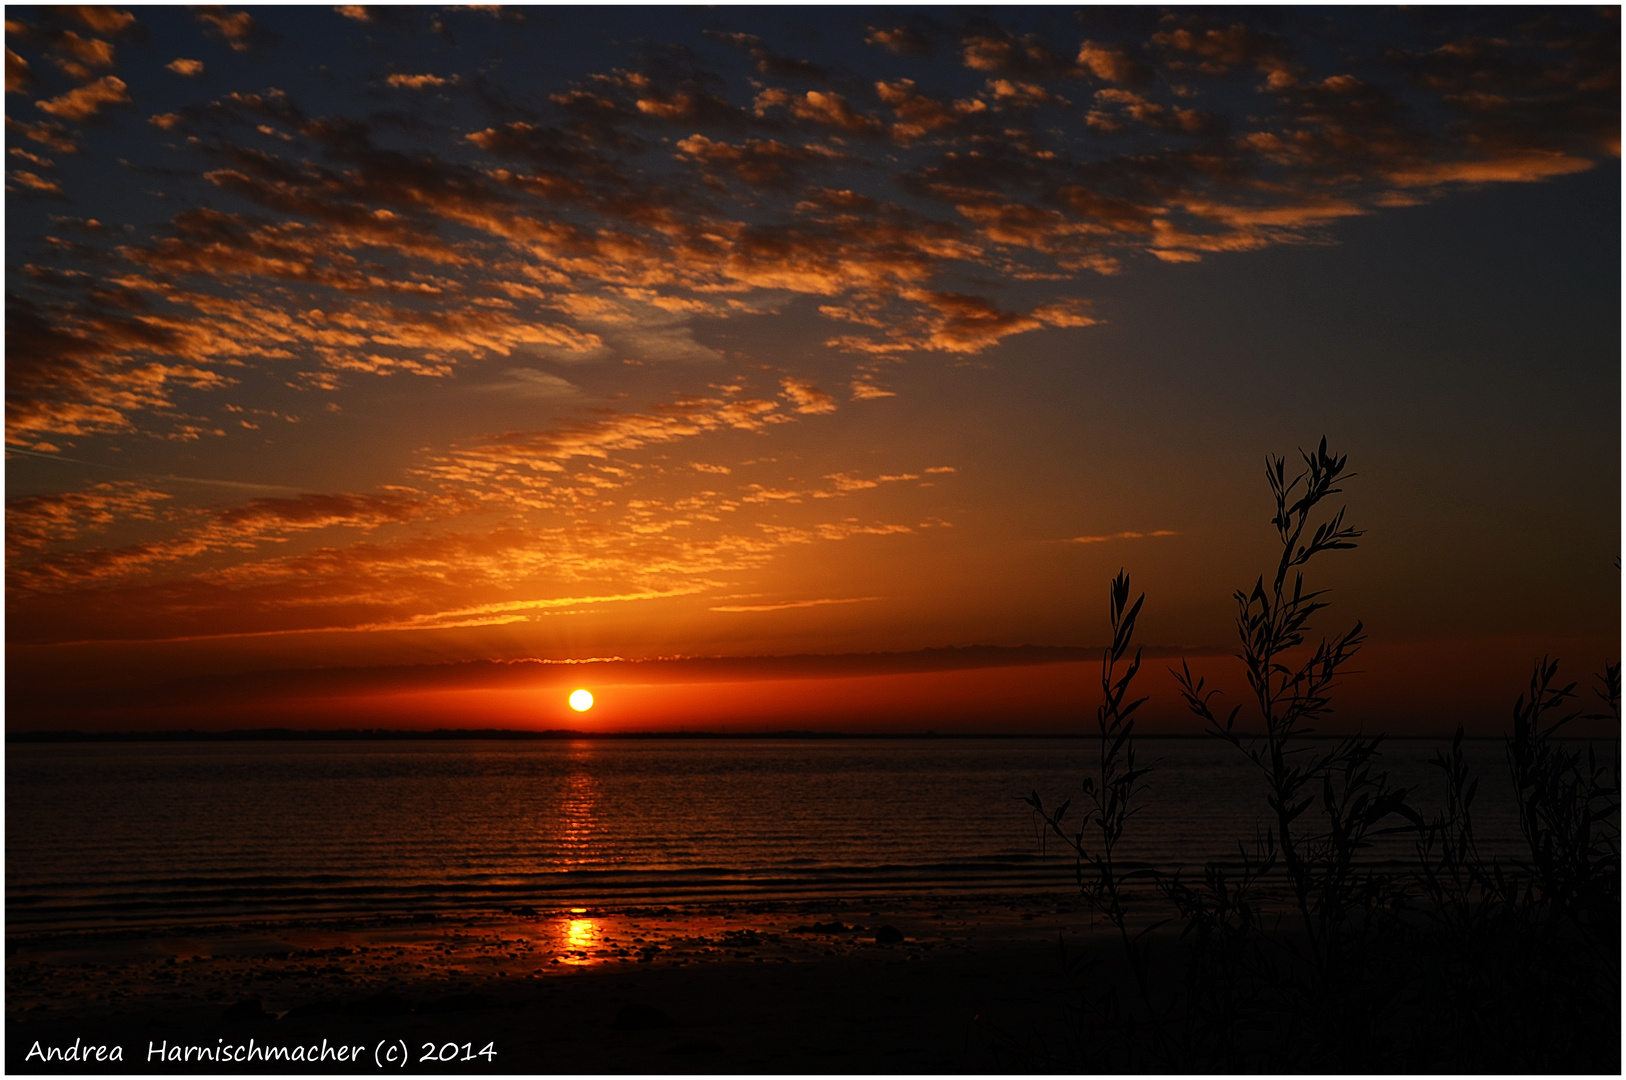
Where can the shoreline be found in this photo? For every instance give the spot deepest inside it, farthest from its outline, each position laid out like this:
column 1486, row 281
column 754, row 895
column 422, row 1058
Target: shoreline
column 803, row 987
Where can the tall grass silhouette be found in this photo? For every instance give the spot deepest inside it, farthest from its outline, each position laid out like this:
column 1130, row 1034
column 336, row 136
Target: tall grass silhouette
column 1298, row 956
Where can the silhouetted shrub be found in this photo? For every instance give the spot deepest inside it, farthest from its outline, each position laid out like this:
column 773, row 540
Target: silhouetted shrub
column 1457, row 964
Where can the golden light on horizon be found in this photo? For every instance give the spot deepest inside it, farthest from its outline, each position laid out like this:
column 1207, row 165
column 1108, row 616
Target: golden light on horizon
column 581, row 700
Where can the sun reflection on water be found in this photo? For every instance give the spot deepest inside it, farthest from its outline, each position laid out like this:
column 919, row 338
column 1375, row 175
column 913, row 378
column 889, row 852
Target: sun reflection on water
column 576, row 938
column 576, row 826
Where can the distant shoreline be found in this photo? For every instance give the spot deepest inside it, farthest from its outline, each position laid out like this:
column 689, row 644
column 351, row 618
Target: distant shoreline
column 561, row 734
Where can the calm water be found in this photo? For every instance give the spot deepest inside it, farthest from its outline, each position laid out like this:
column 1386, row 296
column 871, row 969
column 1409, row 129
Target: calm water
column 131, row 834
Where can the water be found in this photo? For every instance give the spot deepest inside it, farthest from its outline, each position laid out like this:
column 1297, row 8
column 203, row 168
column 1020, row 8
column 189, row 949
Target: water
column 123, row 835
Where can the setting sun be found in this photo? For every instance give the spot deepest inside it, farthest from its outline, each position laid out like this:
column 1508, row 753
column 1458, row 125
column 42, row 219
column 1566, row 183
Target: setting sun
column 581, row 700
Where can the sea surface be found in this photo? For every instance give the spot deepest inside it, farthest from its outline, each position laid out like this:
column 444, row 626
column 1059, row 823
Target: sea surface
column 125, row 835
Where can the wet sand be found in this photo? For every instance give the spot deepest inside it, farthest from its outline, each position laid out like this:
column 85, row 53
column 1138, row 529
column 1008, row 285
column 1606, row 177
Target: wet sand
column 974, row 985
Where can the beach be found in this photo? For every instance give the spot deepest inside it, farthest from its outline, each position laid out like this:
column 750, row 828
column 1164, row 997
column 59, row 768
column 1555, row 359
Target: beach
column 969, row 985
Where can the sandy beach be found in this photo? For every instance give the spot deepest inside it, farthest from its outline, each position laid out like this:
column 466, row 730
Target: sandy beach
column 970, row 985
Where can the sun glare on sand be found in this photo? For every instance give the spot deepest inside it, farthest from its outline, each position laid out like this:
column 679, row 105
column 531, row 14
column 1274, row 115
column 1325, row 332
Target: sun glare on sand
column 581, row 700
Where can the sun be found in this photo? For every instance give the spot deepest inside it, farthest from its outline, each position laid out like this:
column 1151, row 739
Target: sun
column 581, row 700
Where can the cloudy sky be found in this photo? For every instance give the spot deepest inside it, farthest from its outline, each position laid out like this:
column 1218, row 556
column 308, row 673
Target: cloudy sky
column 398, row 338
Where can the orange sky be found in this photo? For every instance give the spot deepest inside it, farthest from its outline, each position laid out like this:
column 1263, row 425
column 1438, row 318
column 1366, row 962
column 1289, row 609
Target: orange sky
column 405, row 338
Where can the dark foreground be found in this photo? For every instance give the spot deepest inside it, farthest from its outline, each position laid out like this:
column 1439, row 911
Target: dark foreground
column 973, row 988
column 967, row 986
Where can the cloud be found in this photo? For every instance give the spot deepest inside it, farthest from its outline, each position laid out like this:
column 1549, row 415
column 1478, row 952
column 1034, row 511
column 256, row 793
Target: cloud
column 83, row 103
column 36, row 183
column 419, row 82
column 75, row 373
column 805, row 396
column 78, row 57
column 934, row 205
column 1517, row 166
column 919, row 115
column 183, row 66
column 31, row 157
column 54, row 136
column 637, row 324
column 1023, row 95
column 298, row 689
column 574, row 202
column 903, row 40
column 992, row 49
column 239, row 529
column 522, row 461
column 34, row 522
column 19, row 79
column 450, row 579
column 237, row 29
column 963, row 323
column 512, row 610
column 820, row 108
column 1113, row 63
column 1122, row 536
column 863, row 388
column 304, row 512
column 529, row 384
column 845, row 482
column 758, row 162
column 789, row 604
column 1214, row 50
column 100, row 18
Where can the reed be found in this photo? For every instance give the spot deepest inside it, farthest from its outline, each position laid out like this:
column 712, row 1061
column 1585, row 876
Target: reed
column 1112, row 797
column 1457, row 964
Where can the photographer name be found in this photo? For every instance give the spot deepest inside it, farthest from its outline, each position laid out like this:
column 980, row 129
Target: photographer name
column 181, row 1053
column 77, row 1052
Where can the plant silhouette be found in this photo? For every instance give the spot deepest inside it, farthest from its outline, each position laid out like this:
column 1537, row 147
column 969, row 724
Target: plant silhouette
column 1457, row 963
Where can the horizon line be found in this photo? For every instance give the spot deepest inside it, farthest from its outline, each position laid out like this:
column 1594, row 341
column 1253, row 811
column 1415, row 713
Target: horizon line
column 278, row 734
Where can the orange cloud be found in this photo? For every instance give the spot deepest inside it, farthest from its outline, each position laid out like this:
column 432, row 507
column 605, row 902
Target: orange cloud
column 1168, row 118
column 419, row 82
column 53, row 135
column 19, row 79
column 899, row 39
column 100, row 18
column 1112, row 63
column 918, row 114
column 37, row 521
column 237, row 29
column 831, row 110
column 81, row 55
column 1216, row 49
column 1513, row 166
column 366, row 261
column 863, row 388
column 1122, row 536
column 996, row 50
column 519, row 460
column 86, row 101
column 806, row 397
column 36, row 182
column 759, row 162
column 788, row 604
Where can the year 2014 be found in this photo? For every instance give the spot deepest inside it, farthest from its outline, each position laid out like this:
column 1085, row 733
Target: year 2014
column 458, row 1052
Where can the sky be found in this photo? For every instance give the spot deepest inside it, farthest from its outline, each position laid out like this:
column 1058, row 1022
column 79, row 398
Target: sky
column 795, row 367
